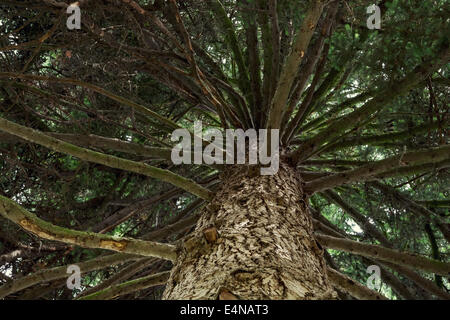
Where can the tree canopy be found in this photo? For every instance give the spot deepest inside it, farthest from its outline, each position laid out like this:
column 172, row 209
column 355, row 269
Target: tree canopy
column 86, row 117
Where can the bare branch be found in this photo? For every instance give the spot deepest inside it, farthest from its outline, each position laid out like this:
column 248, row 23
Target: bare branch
column 290, row 68
column 379, row 140
column 104, row 159
column 28, row 221
column 352, row 287
column 92, row 140
column 61, row 272
column 145, row 111
column 371, row 170
column 129, row 287
column 377, row 252
column 414, row 207
column 227, row 25
column 385, row 96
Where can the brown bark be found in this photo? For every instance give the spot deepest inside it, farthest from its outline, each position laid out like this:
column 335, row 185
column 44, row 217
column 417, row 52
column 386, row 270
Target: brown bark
column 253, row 241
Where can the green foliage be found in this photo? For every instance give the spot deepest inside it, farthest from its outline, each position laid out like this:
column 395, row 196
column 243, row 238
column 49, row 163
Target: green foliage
column 128, row 55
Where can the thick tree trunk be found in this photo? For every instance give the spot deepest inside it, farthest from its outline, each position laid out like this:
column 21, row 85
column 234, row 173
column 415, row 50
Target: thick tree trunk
column 264, row 247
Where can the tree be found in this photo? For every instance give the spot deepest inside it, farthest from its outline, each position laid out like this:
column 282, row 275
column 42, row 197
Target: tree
column 86, row 118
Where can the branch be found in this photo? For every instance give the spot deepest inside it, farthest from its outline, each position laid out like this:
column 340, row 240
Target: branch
column 92, row 140
column 385, row 254
column 319, row 97
column 169, row 123
column 122, row 275
column 352, row 287
column 380, row 140
column 61, row 272
column 293, row 125
column 290, row 68
column 435, row 252
column 227, row 26
column 332, row 114
column 435, row 203
column 384, row 97
column 254, row 66
column 334, row 162
column 414, row 207
column 417, row 279
column 107, row 160
column 414, row 169
column 276, row 50
column 129, row 287
column 370, row 170
column 316, row 52
column 339, row 280
column 135, row 208
column 360, row 219
column 175, row 226
column 266, row 41
column 28, row 221
column 400, row 289
column 101, row 262
column 208, row 91
column 154, row 19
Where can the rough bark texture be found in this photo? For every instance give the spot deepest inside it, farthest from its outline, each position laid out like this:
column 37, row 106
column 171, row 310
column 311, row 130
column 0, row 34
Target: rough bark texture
column 253, row 241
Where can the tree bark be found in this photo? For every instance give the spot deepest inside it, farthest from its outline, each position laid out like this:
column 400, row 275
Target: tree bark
column 253, row 241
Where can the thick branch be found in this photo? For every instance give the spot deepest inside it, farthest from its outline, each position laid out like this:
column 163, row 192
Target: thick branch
column 362, row 221
column 414, row 169
column 425, row 284
column 435, row 203
column 276, row 53
column 99, row 262
column 61, row 272
column 28, row 221
column 352, row 287
column 382, row 139
column 435, row 252
column 92, row 140
column 290, row 68
column 370, row 170
column 107, row 160
column 227, row 25
column 129, row 287
column 266, row 40
column 120, row 276
column 385, row 254
column 254, row 65
column 414, row 207
column 306, row 71
column 384, row 97
column 417, row 279
column 143, row 110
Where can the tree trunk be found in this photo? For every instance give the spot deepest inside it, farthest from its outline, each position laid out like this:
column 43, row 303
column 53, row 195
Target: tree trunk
column 253, row 241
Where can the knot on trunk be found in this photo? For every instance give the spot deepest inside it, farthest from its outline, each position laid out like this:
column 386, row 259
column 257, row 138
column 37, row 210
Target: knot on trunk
column 199, row 243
